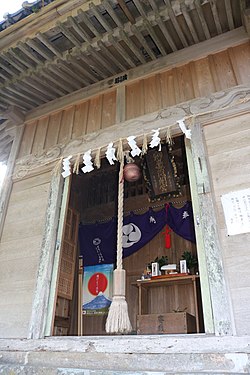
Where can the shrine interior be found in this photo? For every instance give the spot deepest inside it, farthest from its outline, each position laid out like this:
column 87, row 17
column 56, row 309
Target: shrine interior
column 172, row 307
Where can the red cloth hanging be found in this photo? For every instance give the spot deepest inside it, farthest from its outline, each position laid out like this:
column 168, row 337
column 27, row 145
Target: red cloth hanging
column 167, row 232
column 167, row 237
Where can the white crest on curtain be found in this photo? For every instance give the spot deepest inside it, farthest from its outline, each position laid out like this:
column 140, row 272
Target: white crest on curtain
column 156, row 140
column 135, row 150
column 110, row 154
column 87, row 160
column 66, row 167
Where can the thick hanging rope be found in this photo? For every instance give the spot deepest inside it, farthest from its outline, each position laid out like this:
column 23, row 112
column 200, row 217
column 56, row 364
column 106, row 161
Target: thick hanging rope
column 118, row 319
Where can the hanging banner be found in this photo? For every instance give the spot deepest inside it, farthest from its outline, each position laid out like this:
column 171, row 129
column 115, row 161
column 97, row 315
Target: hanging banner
column 181, row 221
column 98, row 241
column 97, row 289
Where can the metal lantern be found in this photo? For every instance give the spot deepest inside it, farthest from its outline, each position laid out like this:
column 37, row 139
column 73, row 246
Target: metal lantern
column 131, row 172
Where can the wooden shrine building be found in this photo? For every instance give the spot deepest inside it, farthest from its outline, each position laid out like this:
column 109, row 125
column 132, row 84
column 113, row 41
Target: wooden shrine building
column 75, row 76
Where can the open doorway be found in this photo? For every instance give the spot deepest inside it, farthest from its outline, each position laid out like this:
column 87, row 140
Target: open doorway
column 167, row 303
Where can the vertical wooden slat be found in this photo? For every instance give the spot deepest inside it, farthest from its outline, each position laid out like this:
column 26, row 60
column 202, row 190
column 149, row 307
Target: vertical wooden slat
column 120, row 104
column 95, row 114
column 214, row 74
column 53, row 129
column 224, row 70
column 109, row 109
column 204, row 77
column 167, row 89
column 27, row 140
column 151, row 94
column 80, row 119
column 66, row 125
column 134, row 100
column 185, row 83
column 240, row 60
column 40, row 136
column 195, row 79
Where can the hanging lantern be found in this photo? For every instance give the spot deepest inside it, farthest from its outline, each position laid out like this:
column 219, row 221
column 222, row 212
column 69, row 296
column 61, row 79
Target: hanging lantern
column 131, row 172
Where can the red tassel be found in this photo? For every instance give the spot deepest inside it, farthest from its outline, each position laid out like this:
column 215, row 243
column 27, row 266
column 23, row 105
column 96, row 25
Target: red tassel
column 167, row 237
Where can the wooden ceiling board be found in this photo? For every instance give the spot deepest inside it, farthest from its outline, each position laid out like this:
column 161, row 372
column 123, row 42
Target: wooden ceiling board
column 97, row 40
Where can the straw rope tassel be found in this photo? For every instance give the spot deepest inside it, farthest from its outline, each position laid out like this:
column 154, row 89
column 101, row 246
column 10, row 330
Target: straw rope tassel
column 118, row 319
column 77, row 164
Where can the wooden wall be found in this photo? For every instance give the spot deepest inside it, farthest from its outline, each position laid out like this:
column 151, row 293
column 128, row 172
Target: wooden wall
column 19, row 253
column 195, row 79
column 228, row 145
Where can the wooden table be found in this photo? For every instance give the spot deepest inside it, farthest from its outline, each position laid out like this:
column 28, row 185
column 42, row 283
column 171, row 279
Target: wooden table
column 175, row 281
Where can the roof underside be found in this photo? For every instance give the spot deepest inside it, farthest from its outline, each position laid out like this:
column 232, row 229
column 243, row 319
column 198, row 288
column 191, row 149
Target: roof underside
column 102, row 40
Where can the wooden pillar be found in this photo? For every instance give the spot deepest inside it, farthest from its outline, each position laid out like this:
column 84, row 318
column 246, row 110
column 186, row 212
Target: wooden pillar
column 207, row 222
column 205, row 288
column 48, row 249
column 17, row 131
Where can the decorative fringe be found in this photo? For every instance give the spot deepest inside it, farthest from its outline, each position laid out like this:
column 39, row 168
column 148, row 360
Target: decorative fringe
column 77, row 164
column 97, row 161
column 118, row 320
column 144, row 145
column 120, row 154
column 58, row 168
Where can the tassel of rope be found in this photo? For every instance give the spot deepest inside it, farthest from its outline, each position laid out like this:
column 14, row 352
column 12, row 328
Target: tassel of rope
column 77, row 164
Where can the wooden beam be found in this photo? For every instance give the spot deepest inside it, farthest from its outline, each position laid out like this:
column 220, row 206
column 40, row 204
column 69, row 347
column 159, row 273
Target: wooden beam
column 100, row 18
column 229, row 14
column 123, row 53
column 132, row 47
column 176, row 24
column 189, row 22
column 176, row 59
column 10, row 60
column 15, row 115
column 42, row 21
column 166, row 34
column 22, row 59
column 143, row 42
column 20, row 93
column 112, row 13
column 78, row 28
column 27, row 51
column 246, row 20
column 110, row 56
column 79, row 66
column 202, row 19
column 39, row 48
column 8, row 99
column 43, row 39
column 69, row 35
column 126, row 11
column 213, row 4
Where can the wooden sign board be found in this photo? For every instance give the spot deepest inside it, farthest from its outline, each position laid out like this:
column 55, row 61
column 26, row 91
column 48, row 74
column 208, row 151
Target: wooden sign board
column 160, row 176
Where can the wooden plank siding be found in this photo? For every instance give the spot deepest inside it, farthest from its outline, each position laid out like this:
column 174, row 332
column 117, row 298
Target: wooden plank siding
column 195, row 79
column 228, row 146
column 19, row 253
